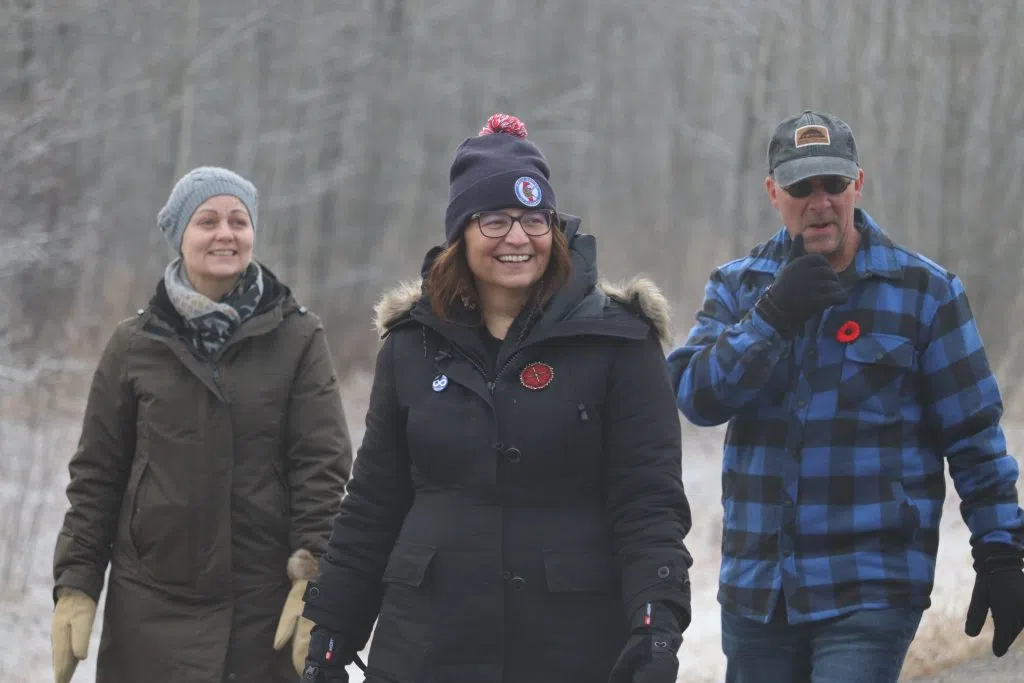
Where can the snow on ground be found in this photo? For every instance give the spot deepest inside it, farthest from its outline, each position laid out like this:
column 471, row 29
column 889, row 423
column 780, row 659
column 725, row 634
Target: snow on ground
column 33, row 474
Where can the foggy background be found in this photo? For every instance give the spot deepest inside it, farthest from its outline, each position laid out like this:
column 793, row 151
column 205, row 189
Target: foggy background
column 654, row 115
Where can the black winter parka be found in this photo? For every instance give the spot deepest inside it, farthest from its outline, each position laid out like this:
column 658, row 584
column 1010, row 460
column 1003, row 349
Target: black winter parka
column 504, row 533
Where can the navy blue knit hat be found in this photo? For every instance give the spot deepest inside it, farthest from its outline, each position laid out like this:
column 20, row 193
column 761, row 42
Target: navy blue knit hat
column 497, row 169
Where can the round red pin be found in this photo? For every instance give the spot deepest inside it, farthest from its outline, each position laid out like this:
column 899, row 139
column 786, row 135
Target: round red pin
column 536, row 376
column 848, row 332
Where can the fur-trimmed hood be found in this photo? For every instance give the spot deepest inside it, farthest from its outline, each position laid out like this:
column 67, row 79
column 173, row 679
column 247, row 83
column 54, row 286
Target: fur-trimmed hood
column 639, row 293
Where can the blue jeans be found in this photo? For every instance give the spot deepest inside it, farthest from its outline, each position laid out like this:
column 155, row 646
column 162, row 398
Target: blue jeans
column 867, row 646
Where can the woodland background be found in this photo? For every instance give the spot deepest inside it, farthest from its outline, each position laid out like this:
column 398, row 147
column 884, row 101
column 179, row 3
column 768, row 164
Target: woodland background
column 654, row 115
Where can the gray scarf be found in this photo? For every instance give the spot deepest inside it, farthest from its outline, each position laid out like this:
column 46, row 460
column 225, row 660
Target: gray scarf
column 209, row 324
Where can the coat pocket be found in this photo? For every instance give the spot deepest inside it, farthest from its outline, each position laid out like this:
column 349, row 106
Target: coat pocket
column 408, row 565
column 160, row 527
column 404, row 628
column 581, row 617
column 874, row 373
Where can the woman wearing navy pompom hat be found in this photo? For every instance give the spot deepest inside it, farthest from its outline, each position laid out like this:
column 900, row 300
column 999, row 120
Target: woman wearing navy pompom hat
column 516, row 512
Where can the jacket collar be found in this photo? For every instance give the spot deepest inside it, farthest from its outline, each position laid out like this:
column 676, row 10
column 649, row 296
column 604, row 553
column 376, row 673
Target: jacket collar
column 162, row 319
column 582, row 306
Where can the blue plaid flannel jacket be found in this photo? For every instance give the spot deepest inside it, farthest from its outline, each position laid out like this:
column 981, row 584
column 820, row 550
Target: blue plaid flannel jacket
column 832, row 482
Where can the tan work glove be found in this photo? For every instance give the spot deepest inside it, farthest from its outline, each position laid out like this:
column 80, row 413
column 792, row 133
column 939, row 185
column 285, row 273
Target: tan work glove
column 72, row 626
column 292, row 626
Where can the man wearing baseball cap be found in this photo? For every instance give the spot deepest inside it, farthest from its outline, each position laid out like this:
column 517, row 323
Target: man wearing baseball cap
column 849, row 369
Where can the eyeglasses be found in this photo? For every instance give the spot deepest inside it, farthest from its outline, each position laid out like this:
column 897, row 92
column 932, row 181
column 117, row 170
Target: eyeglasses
column 832, row 184
column 497, row 224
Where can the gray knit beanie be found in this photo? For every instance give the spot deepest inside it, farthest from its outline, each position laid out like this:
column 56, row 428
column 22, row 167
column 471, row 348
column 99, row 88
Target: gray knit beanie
column 194, row 188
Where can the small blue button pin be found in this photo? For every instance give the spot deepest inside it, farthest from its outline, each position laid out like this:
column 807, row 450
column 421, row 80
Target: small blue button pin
column 440, row 383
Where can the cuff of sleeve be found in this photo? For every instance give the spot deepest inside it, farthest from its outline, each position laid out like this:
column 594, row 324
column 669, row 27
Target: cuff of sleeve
column 666, row 581
column 322, row 603
column 762, row 327
column 999, row 536
column 79, row 580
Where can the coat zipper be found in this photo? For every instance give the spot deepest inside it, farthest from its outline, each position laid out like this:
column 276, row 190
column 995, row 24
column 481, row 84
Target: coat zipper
column 504, row 366
column 492, row 381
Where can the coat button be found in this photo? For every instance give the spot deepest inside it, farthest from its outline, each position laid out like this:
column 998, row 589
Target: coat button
column 517, row 583
column 314, row 592
column 663, row 572
column 513, row 454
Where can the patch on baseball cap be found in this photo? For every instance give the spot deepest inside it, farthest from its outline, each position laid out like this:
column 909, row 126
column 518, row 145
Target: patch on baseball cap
column 811, row 135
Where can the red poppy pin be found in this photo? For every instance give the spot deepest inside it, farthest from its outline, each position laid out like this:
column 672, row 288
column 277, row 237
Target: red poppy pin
column 848, row 332
column 536, row 376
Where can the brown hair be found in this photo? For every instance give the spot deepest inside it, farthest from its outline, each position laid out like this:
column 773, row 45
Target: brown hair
column 450, row 283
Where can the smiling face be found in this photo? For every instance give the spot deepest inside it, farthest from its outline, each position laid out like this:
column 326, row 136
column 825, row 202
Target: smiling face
column 509, row 264
column 216, row 246
column 824, row 216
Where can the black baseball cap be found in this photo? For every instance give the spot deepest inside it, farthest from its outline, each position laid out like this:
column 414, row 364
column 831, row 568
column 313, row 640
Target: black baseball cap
column 812, row 144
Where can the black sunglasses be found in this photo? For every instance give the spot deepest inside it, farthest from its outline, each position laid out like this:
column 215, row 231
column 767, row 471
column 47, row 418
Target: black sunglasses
column 832, row 184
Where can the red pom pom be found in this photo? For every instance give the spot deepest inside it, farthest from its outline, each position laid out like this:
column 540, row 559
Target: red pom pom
column 505, row 124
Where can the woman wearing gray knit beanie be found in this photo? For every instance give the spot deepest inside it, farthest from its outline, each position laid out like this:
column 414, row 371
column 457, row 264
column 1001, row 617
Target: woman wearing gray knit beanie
column 213, row 456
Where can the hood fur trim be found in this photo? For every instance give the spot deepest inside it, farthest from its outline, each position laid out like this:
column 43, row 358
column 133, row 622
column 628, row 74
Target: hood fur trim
column 303, row 566
column 639, row 293
column 395, row 303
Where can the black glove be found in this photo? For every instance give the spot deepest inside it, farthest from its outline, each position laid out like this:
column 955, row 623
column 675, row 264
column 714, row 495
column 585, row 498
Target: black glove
column 327, row 658
column 804, row 287
column 998, row 586
column 650, row 652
